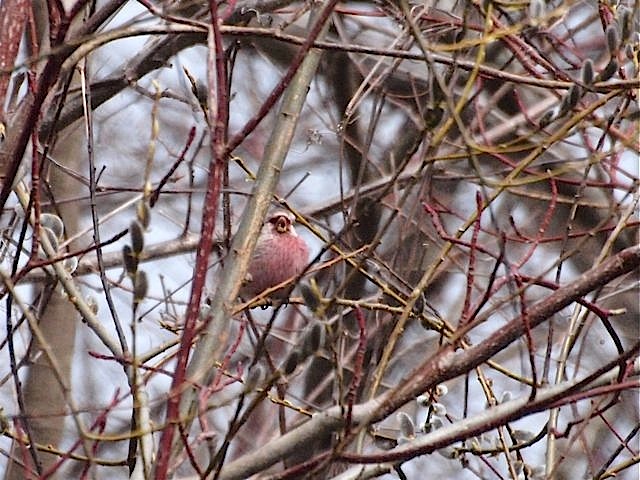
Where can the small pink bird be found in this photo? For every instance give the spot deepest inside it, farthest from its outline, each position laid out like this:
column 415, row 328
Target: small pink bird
column 280, row 254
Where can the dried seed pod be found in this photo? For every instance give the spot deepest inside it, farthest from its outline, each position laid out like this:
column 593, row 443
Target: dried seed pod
column 432, row 424
column 506, row 396
column 436, row 423
column 448, row 452
column 432, row 117
column 384, row 443
column 522, row 436
column 574, row 94
column 265, row 20
column 137, row 237
column 628, row 52
column 537, row 473
column 200, row 91
column 474, row 443
column 518, row 467
column 4, row 422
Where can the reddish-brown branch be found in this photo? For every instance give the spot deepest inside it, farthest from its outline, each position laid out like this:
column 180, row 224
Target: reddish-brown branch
column 156, row 193
column 34, row 200
column 448, row 238
column 571, row 395
column 357, row 368
column 530, row 59
column 219, row 115
column 472, row 261
column 35, row 264
column 528, row 336
column 215, row 385
column 543, row 225
column 302, row 470
column 13, row 16
column 447, row 363
column 190, row 455
column 99, row 424
column 24, row 122
column 279, row 89
column 594, row 308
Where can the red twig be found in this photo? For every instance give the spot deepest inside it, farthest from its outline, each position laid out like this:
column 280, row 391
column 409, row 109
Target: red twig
column 302, row 470
column 279, row 89
column 99, row 424
column 594, row 308
column 615, row 388
column 26, row 118
column 165, row 179
column 543, row 225
column 621, row 387
column 215, row 384
column 35, row 195
column 23, row 451
column 189, row 451
column 219, row 114
column 571, row 395
column 448, row 238
column 13, row 16
column 446, row 364
column 357, row 368
column 231, row 6
column 472, row 261
column 524, row 314
column 37, row 263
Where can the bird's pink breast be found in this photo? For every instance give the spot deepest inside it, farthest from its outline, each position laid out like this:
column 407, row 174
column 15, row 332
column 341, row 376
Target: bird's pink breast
column 276, row 259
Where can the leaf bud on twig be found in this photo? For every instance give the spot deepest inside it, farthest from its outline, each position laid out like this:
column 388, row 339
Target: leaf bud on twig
column 613, row 39
column 137, row 237
column 140, row 286
column 609, row 71
column 53, row 223
column 586, row 72
column 130, row 260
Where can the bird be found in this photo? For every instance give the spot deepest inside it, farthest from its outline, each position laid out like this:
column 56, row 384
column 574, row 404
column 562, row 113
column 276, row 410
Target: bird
column 280, row 254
